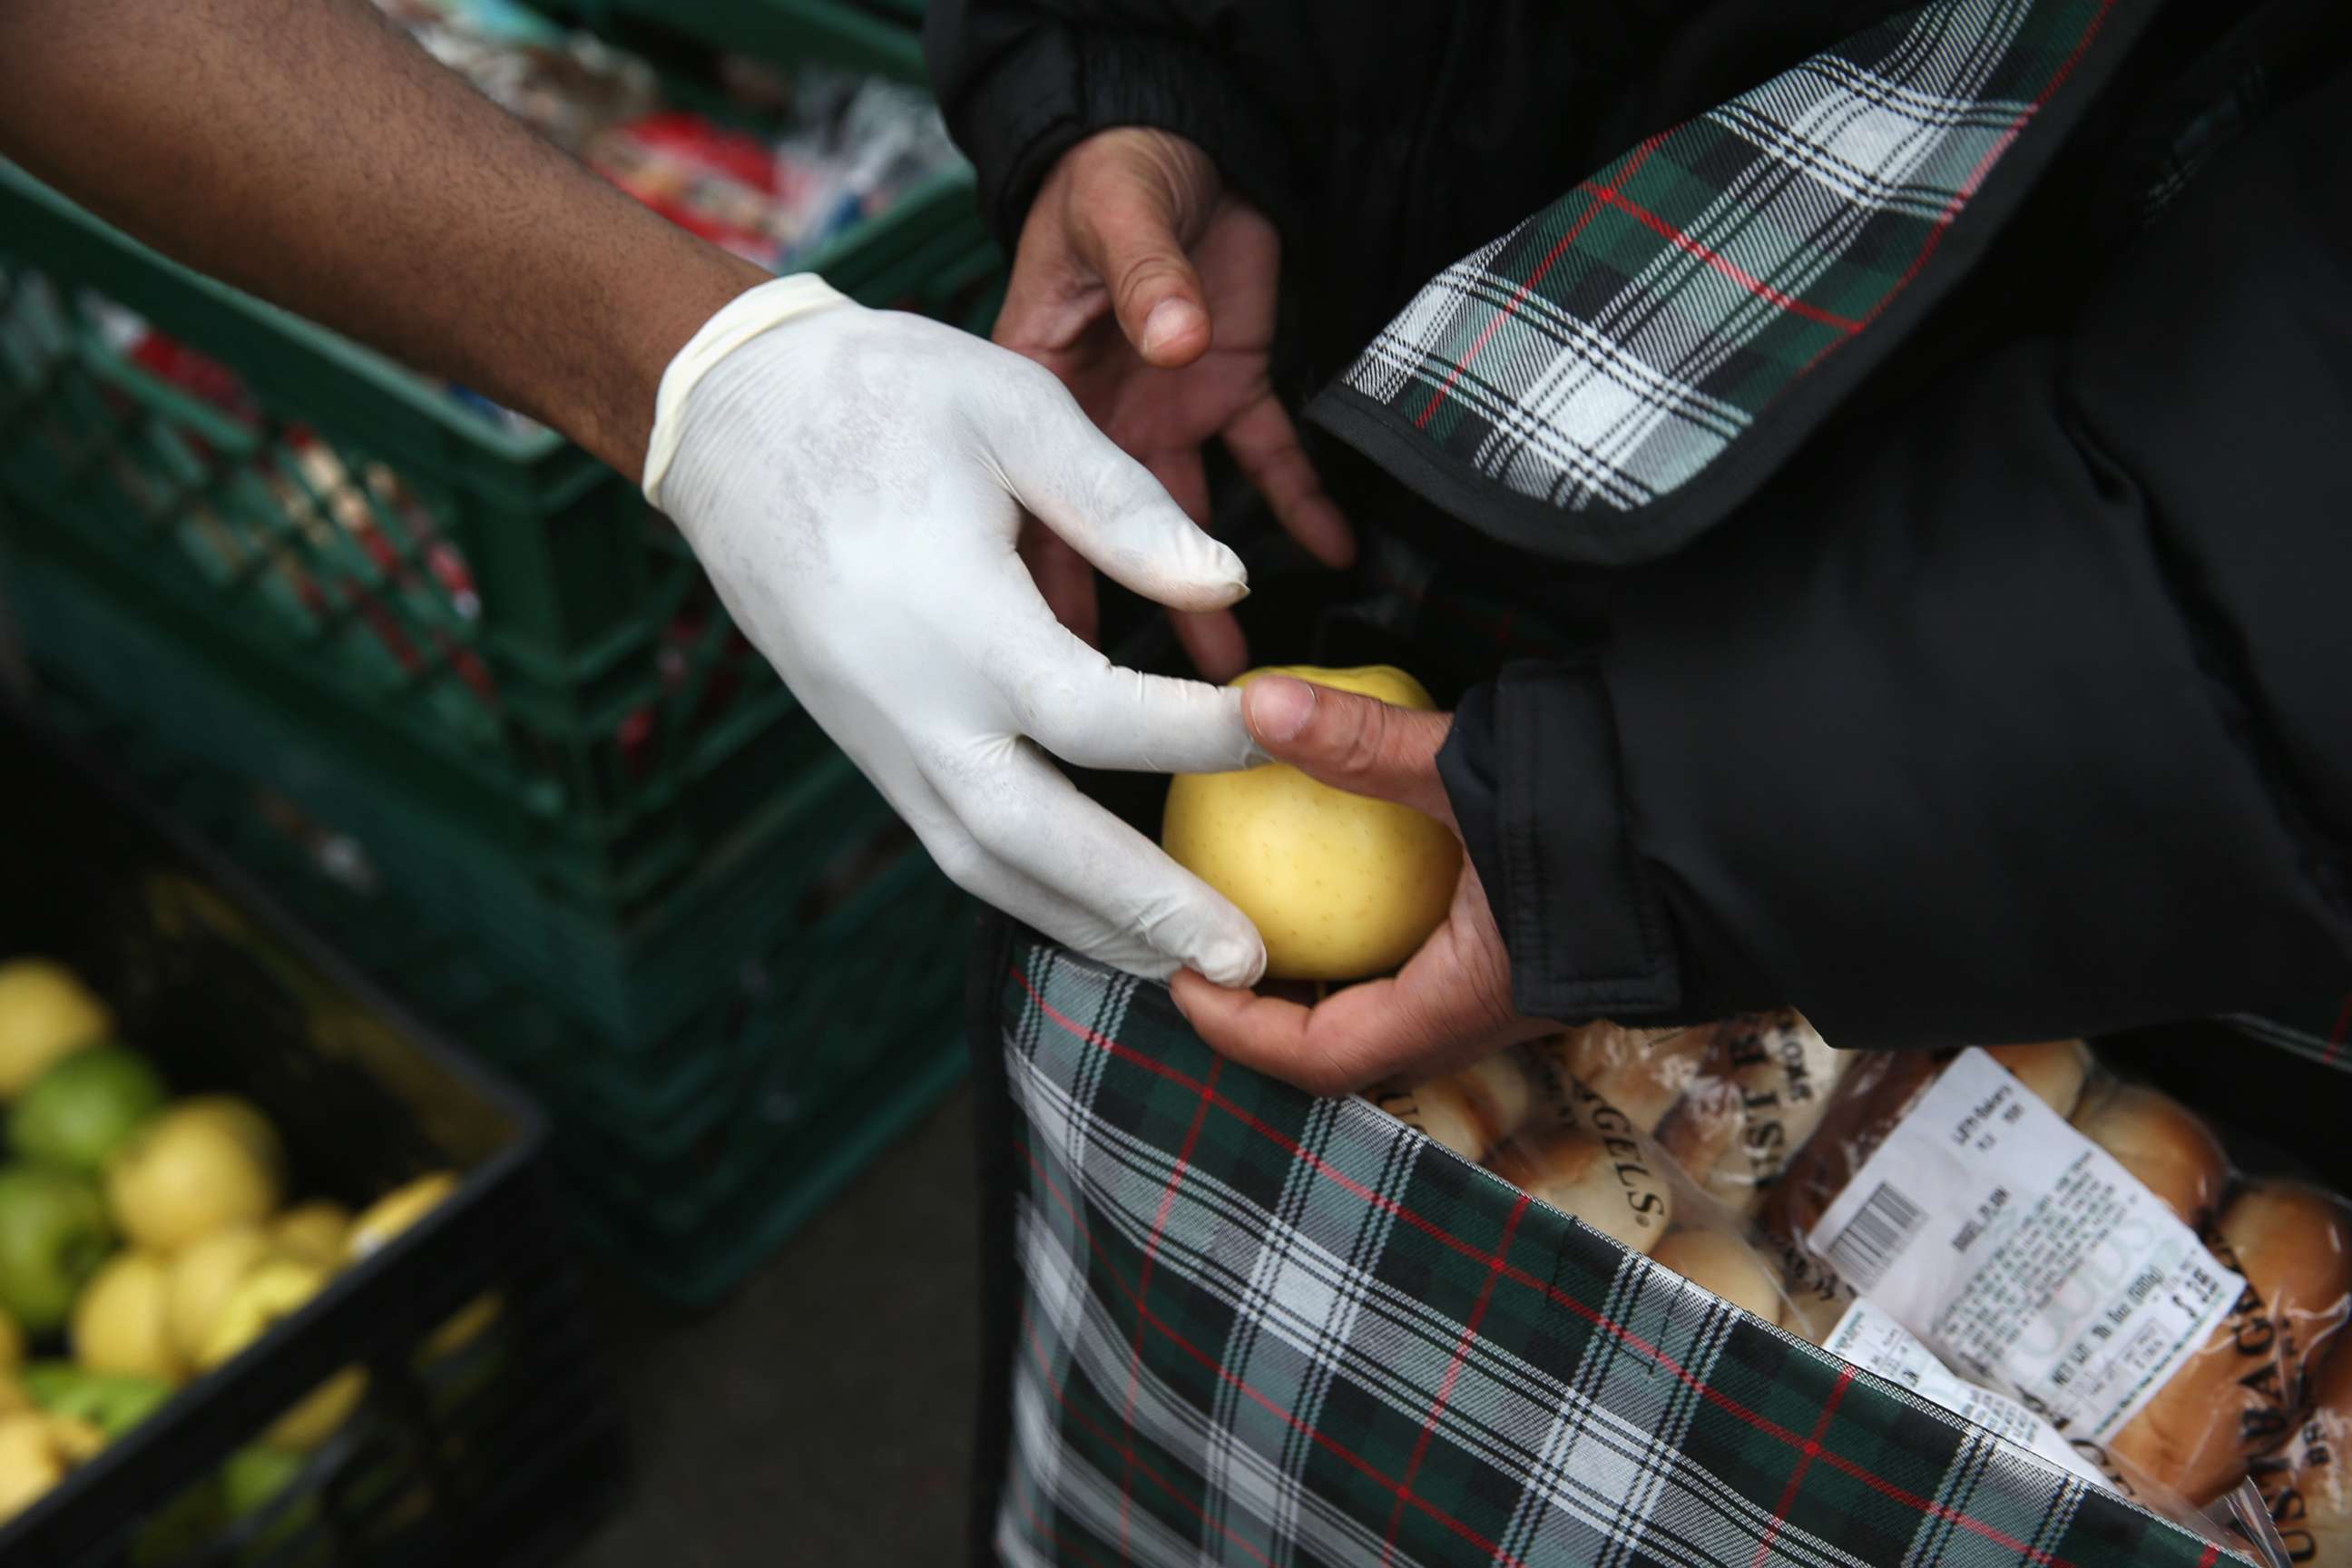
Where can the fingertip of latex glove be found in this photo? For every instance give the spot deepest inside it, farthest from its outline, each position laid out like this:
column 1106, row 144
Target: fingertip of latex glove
column 1233, row 962
column 1160, row 552
column 1215, row 579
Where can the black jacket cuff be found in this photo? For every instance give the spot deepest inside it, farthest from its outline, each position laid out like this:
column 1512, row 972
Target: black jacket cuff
column 1058, row 85
column 1531, row 772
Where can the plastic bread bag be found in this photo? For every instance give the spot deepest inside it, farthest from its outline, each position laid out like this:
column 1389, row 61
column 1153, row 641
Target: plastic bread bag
column 2076, row 1240
column 1758, row 1093
column 1527, row 1117
column 1731, row 1102
column 1528, row 1120
column 2306, row 1487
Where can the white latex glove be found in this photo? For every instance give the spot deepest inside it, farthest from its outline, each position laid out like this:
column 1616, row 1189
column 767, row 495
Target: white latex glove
column 854, row 482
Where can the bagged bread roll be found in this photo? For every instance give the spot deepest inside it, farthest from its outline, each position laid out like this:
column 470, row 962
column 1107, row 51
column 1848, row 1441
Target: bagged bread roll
column 1470, row 1111
column 1759, row 1094
column 1500, row 1094
column 1557, row 1138
column 2238, row 1397
column 2314, row 1514
column 2162, row 1142
column 1443, row 1110
column 1877, row 1094
column 1642, row 1072
column 2055, row 1070
column 1605, row 1179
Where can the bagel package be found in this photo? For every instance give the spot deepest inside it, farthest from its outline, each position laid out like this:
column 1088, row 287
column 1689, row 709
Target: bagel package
column 1524, row 1115
column 2057, row 1253
column 2306, row 1488
column 2081, row 1241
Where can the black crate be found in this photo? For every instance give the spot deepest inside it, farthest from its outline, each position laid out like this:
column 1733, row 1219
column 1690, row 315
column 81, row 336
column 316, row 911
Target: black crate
column 500, row 1451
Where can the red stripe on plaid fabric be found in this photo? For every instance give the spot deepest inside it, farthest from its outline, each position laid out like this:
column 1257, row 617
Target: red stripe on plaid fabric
column 1725, row 265
column 1298, row 1423
column 1143, row 1285
column 2034, row 1556
column 1102, row 1434
column 1968, row 187
column 1797, row 1472
column 2212, row 1555
column 1635, row 160
column 1445, row 1386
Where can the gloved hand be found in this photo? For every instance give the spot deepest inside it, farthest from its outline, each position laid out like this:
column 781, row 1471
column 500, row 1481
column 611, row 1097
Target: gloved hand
column 854, row 482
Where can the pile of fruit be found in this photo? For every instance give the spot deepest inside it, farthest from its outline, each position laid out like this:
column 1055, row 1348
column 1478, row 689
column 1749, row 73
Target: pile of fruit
column 144, row 1241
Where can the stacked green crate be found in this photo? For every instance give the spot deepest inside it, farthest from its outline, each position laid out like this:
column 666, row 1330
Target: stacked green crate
column 880, row 36
column 453, row 680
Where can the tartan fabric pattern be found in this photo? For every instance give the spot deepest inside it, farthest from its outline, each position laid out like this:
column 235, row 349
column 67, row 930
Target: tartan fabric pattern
column 1257, row 1328
column 1615, row 345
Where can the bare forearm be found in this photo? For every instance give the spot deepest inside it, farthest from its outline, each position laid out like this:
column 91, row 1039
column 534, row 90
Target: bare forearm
column 307, row 151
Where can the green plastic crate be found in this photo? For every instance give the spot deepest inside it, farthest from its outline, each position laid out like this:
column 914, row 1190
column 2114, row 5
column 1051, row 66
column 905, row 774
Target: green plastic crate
column 832, row 1076
column 883, row 37
column 528, row 979
column 692, row 1155
column 634, row 980
column 489, row 623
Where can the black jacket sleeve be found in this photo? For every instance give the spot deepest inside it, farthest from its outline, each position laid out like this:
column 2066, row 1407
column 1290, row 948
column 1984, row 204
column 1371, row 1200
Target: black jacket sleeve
column 1022, row 81
column 2022, row 708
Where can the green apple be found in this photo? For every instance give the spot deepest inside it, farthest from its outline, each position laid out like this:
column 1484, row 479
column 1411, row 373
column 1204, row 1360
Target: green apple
column 85, row 1106
column 254, row 1477
column 53, row 1236
column 113, row 1401
column 252, row 1483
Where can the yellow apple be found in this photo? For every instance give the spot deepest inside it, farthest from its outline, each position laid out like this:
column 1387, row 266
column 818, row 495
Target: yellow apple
column 30, row 1463
column 277, row 1288
column 203, row 1275
column 1341, row 886
column 316, row 1232
column 46, row 1012
column 395, row 1212
column 122, row 1321
column 204, row 1165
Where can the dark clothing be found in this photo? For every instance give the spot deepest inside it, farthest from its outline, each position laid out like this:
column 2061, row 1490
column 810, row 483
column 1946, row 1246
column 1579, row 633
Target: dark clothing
column 1991, row 680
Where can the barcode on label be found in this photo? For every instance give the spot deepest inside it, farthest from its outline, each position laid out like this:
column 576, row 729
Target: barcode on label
column 1875, row 1236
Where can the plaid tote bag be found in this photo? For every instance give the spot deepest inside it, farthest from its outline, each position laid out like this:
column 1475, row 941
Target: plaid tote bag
column 1243, row 1326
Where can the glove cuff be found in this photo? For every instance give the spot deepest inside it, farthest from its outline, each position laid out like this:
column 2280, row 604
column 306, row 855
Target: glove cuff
column 736, row 324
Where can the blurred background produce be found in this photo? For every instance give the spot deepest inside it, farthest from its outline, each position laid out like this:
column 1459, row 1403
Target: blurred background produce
column 190, row 1256
column 446, row 691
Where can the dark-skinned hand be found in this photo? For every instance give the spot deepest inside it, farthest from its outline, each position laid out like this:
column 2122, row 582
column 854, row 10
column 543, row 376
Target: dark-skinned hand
column 1150, row 289
column 1451, row 1003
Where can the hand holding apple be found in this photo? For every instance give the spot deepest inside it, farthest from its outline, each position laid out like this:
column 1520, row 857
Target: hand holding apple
column 1340, row 885
column 1450, row 1005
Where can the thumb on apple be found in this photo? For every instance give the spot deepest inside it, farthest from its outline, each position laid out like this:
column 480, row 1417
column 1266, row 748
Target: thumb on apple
column 1355, row 743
